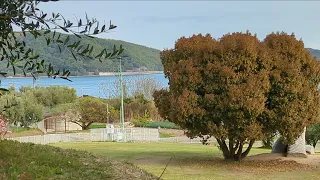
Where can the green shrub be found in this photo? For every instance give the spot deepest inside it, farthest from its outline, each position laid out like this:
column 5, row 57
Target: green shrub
column 163, row 124
column 313, row 134
column 143, row 121
column 155, row 124
column 95, row 126
column 268, row 141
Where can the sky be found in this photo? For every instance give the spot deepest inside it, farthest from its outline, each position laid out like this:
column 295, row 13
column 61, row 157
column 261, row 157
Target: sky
column 158, row 24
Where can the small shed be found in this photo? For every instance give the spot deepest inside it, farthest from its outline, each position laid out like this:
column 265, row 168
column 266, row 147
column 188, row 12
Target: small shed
column 59, row 123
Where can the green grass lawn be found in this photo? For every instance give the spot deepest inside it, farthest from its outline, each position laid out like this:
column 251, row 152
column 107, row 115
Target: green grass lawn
column 28, row 161
column 95, row 126
column 17, row 129
column 194, row 161
column 165, row 135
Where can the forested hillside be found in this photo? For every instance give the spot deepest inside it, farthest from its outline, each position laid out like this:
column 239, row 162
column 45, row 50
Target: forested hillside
column 136, row 56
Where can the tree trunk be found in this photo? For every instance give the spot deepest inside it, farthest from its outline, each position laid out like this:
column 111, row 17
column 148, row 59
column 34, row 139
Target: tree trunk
column 234, row 150
column 237, row 157
column 83, row 126
column 224, row 149
column 314, row 143
column 86, row 126
column 231, row 148
column 245, row 153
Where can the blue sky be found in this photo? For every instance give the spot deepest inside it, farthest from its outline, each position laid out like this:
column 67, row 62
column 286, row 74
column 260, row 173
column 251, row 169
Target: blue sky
column 159, row 24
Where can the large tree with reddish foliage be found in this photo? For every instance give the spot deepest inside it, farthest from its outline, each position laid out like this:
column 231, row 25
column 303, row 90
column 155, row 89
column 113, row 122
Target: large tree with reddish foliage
column 239, row 89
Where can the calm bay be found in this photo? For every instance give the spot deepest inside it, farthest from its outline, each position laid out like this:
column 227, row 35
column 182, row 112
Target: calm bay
column 97, row 86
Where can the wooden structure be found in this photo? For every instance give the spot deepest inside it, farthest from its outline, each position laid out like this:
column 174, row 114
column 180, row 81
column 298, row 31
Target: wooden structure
column 59, row 123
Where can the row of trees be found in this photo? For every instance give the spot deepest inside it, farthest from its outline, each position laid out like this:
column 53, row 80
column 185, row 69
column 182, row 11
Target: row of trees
column 239, row 89
column 29, row 105
column 135, row 86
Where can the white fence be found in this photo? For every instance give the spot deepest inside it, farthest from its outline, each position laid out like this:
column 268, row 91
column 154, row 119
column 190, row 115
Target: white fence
column 53, row 138
column 130, row 135
column 110, row 134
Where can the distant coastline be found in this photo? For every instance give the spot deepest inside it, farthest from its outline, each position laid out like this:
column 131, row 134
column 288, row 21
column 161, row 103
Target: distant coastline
column 102, row 74
column 129, row 73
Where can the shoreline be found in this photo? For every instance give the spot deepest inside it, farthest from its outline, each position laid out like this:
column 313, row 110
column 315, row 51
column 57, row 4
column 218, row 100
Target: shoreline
column 128, row 73
column 100, row 74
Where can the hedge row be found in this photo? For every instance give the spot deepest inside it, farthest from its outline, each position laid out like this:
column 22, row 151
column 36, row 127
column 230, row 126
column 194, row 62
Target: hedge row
column 156, row 124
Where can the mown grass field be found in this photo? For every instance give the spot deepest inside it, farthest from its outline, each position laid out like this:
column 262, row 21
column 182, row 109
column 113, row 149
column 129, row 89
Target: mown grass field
column 194, row 161
column 26, row 161
column 96, row 125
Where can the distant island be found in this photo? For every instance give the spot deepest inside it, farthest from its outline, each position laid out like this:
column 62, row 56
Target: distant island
column 130, row 73
column 137, row 58
column 314, row 52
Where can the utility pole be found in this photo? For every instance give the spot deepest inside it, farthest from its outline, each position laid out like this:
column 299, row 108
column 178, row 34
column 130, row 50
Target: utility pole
column 81, row 92
column 121, row 108
column 34, row 82
column 108, row 114
column 99, row 90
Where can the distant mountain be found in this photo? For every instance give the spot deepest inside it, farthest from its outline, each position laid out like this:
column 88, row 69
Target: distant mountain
column 314, row 52
column 137, row 56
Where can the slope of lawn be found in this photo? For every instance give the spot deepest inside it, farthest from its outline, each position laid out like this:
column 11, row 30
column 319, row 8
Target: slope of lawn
column 195, row 161
column 29, row 161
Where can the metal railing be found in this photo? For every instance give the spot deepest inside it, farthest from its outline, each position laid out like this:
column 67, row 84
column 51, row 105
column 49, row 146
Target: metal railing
column 103, row 134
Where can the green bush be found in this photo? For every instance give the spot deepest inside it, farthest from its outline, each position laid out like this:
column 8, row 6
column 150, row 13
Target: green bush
column 51, row 95
column 96, row 126
column 163, row 124
column 21, row 108
column 268, row 141
column 313, row 134
column 143, row 122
